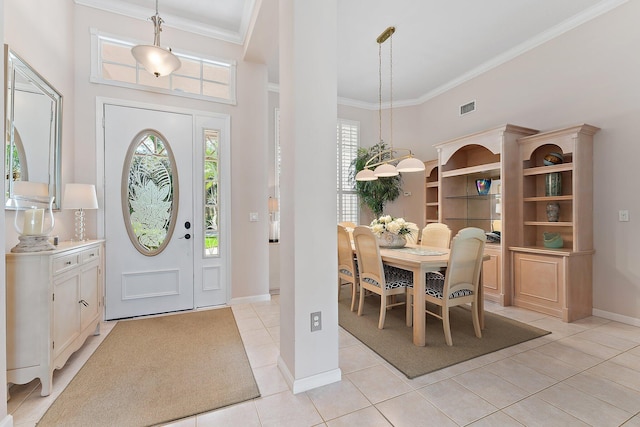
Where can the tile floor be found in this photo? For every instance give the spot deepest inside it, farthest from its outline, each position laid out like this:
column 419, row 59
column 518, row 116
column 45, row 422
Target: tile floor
column 585, row 373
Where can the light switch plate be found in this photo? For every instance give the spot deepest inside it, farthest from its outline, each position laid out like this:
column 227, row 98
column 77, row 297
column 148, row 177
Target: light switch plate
column 623, row 215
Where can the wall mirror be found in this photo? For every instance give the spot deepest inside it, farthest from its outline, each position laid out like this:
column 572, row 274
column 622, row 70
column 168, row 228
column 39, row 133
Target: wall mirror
column 33, row 128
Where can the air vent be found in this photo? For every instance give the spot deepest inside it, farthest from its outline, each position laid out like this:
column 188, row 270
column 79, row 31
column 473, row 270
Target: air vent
column 467, row 108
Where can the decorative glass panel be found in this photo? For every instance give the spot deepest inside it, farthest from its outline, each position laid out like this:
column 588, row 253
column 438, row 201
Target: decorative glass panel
column 150, row 192
column 211, row 195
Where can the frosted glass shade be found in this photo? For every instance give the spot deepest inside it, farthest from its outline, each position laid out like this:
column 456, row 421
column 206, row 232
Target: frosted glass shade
column 156, row 60
column 366, row 175
column 410, row 165
column 385, row 170
column 80, row 196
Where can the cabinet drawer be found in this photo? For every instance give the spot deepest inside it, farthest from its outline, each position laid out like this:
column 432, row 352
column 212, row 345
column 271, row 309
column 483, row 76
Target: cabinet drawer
column 64, row 263
column 90, row 255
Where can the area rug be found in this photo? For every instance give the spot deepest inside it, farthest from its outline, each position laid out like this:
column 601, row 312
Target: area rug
column 155, row 370
column 394, row 343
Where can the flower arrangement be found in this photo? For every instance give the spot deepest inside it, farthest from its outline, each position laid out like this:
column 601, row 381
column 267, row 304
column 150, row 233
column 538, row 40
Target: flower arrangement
column 388, row 223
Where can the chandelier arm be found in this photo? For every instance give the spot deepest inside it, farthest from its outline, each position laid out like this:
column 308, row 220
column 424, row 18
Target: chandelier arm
column 378, row 156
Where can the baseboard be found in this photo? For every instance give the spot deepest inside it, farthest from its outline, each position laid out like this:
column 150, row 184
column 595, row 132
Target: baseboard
column 7, row 421
column 616, row 317
column 250, row 300
column 308, row 383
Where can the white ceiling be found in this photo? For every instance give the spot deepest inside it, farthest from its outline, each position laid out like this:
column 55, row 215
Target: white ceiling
column 437, row 44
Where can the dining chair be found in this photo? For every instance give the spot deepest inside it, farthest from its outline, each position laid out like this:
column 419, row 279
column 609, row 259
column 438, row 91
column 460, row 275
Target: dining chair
column 376, row 277
column 459, row 285
column 347, row 267
column 437, row 235
column 347, row 224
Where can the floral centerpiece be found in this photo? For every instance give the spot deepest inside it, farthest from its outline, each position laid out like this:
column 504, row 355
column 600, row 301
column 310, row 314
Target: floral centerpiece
column 390, row 231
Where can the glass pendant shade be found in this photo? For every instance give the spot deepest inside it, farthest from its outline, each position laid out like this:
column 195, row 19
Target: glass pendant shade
column 156, row 60
column 385, row 170
column 410, row 165
column 366, row 175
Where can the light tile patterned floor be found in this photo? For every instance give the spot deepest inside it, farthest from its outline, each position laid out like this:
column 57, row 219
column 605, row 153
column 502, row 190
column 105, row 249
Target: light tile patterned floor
column 584, row 373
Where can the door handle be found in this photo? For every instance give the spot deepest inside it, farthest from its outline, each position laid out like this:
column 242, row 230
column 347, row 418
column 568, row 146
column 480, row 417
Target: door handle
column 186, row 236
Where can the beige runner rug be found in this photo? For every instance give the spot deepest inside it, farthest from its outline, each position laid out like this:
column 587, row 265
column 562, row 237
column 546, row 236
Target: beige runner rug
column 155, row 370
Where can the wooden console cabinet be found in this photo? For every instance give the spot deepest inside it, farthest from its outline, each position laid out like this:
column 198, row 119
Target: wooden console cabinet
column 54, row 302
column 555, row 281
column 490, row 154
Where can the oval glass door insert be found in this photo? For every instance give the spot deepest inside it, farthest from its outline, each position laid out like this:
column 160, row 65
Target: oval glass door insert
column 149, row 192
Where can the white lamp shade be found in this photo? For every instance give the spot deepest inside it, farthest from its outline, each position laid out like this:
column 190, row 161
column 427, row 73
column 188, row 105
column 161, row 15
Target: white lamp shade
column 30, row 189
column 410, row 165
column 385, row 170
column 80, row 196
column 156, row 60
column 366, row 175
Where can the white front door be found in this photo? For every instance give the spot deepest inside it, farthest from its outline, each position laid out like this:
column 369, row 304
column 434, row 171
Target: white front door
column 160, row 255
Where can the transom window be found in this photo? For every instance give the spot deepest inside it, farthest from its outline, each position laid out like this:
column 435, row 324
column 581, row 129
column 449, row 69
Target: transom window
column 202, row 78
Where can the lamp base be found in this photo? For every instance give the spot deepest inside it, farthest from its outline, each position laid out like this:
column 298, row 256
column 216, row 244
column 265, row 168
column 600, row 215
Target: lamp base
column 33, row 244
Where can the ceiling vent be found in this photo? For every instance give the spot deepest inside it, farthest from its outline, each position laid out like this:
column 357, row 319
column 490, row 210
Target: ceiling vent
column 467, row 108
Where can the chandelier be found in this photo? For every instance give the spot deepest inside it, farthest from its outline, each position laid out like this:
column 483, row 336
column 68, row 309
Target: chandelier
column 392, row 161
column 156, row 60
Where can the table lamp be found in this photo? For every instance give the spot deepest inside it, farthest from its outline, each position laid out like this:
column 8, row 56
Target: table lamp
column 31, row 199
column 79, row 197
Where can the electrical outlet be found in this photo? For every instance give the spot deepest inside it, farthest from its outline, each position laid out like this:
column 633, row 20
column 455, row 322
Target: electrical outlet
column 316, row 321
column 623, row 216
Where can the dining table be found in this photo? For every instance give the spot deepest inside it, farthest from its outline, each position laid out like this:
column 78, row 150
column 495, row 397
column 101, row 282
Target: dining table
column 419, row 260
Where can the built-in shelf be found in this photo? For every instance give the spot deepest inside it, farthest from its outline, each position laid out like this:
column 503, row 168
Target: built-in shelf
column 540, row 170
column 548, row 198
column 550, row 224
column 432, row 184
column 473, row 169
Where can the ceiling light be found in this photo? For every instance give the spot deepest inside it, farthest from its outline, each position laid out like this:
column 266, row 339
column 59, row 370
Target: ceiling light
column 384, row 161
column 155, row 59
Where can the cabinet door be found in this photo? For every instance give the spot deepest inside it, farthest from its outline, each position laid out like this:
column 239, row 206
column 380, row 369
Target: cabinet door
column 491, row 276
column 89, row 294
column 66, row 316
column 539, row 282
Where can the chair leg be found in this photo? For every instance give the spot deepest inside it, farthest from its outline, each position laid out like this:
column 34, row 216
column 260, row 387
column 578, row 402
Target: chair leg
column 476, row 319
column 361, row 301
column 446, row 326
column 353, row 295
column 383, row 311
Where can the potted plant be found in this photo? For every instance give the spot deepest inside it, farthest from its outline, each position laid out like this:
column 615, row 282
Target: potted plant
column 374, row 194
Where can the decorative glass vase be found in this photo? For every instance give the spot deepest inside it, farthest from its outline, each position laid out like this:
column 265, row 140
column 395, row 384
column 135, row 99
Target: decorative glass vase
column 553, row 211
column 391, row 241
column 553, row 184
column 552, row 240
column 483, row 186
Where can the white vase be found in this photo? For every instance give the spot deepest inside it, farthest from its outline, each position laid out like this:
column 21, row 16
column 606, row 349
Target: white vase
column 391, row 241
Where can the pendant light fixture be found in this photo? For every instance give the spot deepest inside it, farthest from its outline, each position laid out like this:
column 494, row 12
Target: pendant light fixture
column 155, row 59
column 387, row 163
